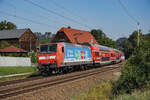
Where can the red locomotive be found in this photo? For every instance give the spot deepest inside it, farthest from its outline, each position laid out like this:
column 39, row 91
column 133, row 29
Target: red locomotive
column 64, row 56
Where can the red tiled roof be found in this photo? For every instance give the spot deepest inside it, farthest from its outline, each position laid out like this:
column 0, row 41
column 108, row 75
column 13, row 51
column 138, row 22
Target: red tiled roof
column 78, row 36
column 12, row 49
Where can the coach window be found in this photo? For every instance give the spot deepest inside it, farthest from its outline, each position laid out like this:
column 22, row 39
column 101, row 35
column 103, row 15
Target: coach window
column 96, row 54
column 112, row 54
column 100, row 54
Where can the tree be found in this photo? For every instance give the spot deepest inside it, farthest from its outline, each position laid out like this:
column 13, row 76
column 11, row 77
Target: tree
column 135, row 74
column 128, row 45
column 4, row 44
column 4, row 25
column 98, row 34
column 133, row 38
column 125, row 45
column 120, row 41
column 102, row 39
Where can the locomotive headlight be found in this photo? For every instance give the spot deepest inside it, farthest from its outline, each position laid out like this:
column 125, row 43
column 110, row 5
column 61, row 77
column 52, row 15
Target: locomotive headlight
column 52, row 57
column 41, row 58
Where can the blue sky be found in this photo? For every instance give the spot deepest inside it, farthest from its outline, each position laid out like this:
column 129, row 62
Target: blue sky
column 107, row 15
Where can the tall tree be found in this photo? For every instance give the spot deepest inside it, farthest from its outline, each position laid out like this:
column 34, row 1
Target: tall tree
column 4, row 25
column 134, row 37
column 129, row 45
column 102, row 39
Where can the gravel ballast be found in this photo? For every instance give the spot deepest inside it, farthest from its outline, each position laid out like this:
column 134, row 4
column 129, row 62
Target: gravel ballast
column 68, row 90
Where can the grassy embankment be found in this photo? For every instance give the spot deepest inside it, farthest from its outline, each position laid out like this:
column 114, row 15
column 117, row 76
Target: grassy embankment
column 16, row 70
column 103, row 91
column 137, row 95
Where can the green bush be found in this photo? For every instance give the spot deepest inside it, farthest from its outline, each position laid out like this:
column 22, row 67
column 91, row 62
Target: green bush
column 33, row 56
column 135, row 73
column 23, row 55
column 16, row 55
column 4, row 44
column 136, row 95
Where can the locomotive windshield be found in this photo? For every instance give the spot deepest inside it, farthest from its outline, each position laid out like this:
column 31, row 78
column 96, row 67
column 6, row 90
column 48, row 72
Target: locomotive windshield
column 48, row 48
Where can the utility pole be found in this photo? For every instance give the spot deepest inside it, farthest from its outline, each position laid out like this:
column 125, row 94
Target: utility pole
column 30, row 44
column 138, row 37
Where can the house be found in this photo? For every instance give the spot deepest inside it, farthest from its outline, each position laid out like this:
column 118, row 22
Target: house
column 48, row 34
column 38, row 34
column 74, row 36
column 12, row 50
column 23, row 37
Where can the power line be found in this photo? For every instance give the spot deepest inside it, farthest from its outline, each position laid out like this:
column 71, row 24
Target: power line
column 127, row 12
column 26, row 19
column 67, row 10
column 13, row 6
column 134, row 19
column 55, row 13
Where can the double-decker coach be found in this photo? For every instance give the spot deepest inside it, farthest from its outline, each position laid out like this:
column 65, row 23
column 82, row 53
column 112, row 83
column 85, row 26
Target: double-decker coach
column 100, row 54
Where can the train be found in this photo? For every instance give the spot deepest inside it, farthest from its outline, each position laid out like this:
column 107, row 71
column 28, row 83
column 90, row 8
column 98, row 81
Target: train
column 62, row 57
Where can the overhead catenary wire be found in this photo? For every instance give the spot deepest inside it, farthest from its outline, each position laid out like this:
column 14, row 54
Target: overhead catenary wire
column 82, row 18
column 39, row 15
column 26, row 19
column 55, row 13
column 67, row 10
column 58, row 5
column 134, row 19
column 127, row 12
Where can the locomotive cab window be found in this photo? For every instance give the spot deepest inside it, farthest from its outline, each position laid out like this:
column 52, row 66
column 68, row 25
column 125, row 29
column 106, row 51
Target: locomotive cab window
column 52, row 48
column 43, row 48
column 48, row 48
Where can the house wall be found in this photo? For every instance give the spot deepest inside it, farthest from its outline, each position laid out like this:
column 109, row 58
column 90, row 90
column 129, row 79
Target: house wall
column 28, row 41
column 60, row 37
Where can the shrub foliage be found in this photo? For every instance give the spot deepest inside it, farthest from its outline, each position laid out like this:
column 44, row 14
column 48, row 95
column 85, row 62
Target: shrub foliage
column 136, row 71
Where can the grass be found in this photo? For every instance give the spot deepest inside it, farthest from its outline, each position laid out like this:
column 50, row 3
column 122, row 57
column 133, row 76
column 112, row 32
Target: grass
column 137, row 95
column 33, row 74
column 15, row 70
column 102, row 91
column 13, row 78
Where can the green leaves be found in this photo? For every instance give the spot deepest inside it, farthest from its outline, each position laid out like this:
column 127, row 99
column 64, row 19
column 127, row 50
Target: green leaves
column 135, row 73
column 4, row 44
column 4, row 25
column 102, row 39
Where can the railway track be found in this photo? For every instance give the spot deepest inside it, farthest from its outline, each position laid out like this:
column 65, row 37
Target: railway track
column 19, row 81
column 48, row 82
